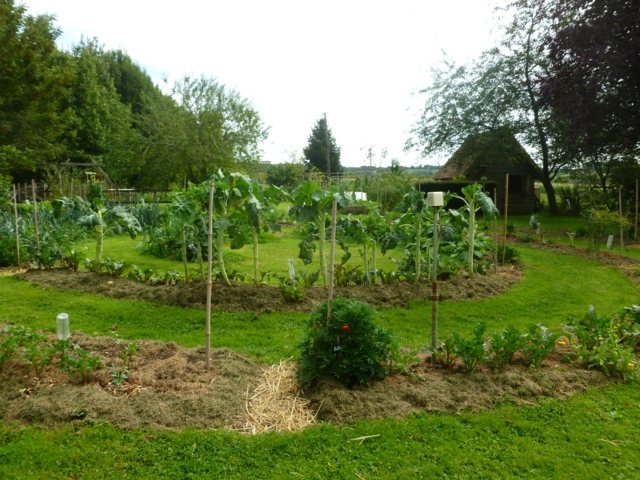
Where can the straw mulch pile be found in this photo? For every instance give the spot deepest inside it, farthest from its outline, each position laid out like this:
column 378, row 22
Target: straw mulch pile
column 275, row 405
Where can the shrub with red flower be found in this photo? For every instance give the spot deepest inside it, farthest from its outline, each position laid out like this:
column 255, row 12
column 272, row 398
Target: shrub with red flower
column 354, row 359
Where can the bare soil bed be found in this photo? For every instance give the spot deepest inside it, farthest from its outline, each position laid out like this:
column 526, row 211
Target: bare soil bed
column 266, row 298
column 171, row 387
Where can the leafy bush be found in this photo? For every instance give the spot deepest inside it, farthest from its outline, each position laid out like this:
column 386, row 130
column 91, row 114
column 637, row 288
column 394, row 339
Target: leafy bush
column 78, row 362
column 607, row 343
column 444, row 354
column 539, row 343
column 348, row 347
column 504, row 345
column 292, row 291
column 471, row 350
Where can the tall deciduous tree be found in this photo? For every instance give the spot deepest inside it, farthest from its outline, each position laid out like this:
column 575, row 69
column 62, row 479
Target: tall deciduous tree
column 101, row 129
column 34, row 78
column 594, row 80
column 226, row 129
column 320, row 141
column 499, row 89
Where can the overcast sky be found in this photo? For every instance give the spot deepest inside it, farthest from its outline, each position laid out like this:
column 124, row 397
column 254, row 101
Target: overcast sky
column 359, row 61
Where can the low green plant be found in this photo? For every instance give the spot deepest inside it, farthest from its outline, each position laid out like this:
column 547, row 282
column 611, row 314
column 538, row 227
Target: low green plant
column 539, row 343
column 79, row 363
column 120, row 372
column 346, row 346
column 471, row 350
column 115, row 268
column 309, row 279
column 12, row 338
column 504, row 345
column 444, row 354
column 292, row 290
column 607, row 343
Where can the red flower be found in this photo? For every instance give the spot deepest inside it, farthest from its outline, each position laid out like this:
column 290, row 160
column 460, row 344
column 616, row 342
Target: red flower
column 344, row 328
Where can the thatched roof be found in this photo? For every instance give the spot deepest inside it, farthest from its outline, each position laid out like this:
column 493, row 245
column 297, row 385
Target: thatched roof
column 497, row 150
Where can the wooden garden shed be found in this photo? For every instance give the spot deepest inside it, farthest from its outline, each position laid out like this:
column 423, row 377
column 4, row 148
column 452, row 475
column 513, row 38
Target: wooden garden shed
column 487, row 157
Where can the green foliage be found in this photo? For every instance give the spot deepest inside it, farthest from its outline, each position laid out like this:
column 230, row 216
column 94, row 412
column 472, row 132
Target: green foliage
column 539, row 343
column 292, row 290
column 79, row 363
column 286, row 175
column 600, row 222
column 120, row 372
column 348, row 346
column 470, row 350
column 444, row 354
column 504, row 345
column 607, row 343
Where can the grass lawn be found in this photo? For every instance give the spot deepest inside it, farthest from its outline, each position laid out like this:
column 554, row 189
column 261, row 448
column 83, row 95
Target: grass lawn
column 553, row 288
column 592, row 435
column 273, row 255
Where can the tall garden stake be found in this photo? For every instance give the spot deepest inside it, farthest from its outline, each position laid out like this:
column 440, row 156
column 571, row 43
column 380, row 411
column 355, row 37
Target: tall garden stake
column 35, row 218
column 332, row 255
column 207, row 331
column 621, row 221
column 435, row 200
column 635, row 228
column 495, row 233
column 506, row 215
column 15, row 214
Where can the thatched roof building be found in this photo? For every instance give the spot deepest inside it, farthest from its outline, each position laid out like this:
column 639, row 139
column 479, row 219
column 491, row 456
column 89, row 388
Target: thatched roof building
column 489, row 157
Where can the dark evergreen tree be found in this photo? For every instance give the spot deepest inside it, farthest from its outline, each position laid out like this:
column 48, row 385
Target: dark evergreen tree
column 316, row 150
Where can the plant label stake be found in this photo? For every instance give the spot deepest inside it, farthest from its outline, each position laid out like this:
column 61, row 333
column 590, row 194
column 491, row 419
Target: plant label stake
column 610, row 241
column 434, row 200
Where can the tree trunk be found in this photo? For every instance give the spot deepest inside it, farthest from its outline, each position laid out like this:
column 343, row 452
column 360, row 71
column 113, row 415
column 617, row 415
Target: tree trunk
column 551, row 195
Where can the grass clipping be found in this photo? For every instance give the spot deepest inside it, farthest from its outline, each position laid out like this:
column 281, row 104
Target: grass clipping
column 275, row 404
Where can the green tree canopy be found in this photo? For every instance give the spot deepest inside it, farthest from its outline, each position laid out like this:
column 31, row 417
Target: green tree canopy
column 316, row 150
column 34, row 79
column 226, row 129
column 501, row 88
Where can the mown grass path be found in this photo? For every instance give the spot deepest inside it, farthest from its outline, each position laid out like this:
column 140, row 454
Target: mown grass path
column 592, row 435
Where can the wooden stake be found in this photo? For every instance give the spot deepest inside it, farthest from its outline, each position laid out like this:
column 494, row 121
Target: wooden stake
column 15, row 214
column 332, row 257
column 35, row 216
column 207, row 332
column 635, row 228
column 495, row 234
column 506, row 216
column 621, row 221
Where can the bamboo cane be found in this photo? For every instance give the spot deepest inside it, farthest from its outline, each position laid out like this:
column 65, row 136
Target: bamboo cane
column 332, row 259
column 506, row 216
column 495, row 234
column 207, row 332
column 35, row 216
column 621, row 220
column 635, row 228
column 15, row 214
